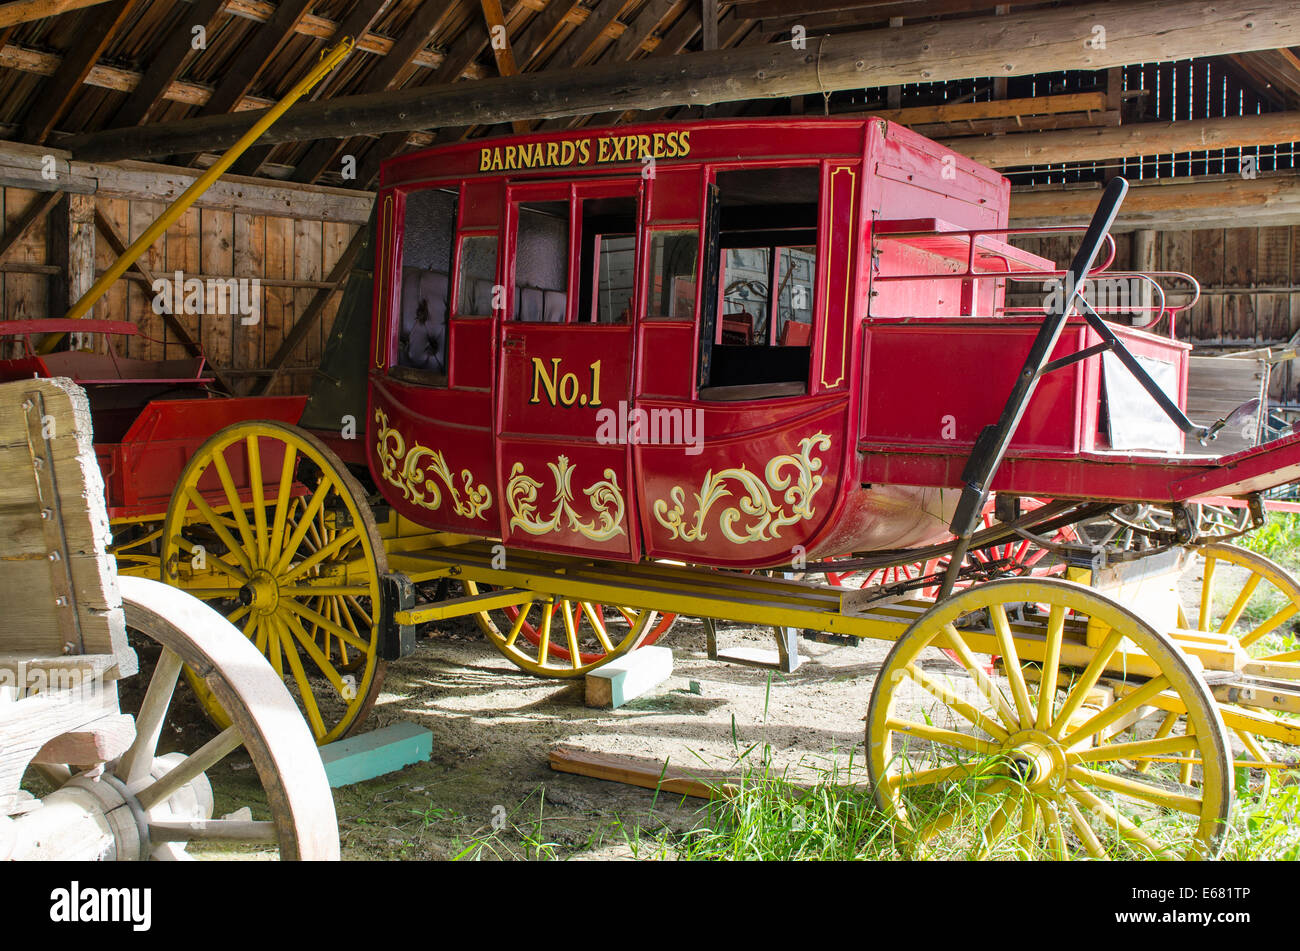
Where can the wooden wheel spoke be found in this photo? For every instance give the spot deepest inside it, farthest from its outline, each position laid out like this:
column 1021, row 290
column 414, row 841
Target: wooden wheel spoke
column 326, row 624
column 282, row 501
column 1119, row 708
column 219, row 527
column 1118, row 823
column 598, row 625
column 1051, row 665
column 314, row 719
column 571, row 635
column 316, row 654
column 1081, row 687
column 959, row 706
column 944, row 737
column 950, row 636
column 928, row 777
column 304, row 522
column 138, row 760
column 1133, row 789
column 259, row 496
column 1270, row 624
column 991, row 833
column 1239, row 605
column 1136, row 750
column 211, row 830
column 1011, row 663
column 521, row 618
column 326, row 551
column 1207, row 593
column 200, row 761
column 1083, row 829
column 236, row 504
column 544, row 643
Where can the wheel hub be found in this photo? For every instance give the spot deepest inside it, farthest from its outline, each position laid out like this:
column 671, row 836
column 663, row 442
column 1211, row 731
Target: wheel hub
column 1036, row 760
column 261, row 593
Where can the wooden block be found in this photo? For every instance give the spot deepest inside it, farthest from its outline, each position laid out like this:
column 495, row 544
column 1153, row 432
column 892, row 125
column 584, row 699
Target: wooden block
column 628, row 677
column 99, row 742
column 363, row 757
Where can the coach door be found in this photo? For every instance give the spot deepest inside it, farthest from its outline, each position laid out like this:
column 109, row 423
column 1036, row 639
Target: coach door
column 566, row 367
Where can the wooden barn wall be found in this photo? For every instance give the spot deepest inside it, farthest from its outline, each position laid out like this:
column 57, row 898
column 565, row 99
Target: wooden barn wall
column 286, row 254
column 1250, row 280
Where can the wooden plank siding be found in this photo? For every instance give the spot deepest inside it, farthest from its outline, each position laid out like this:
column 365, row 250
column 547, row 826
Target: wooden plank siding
column 205, row 242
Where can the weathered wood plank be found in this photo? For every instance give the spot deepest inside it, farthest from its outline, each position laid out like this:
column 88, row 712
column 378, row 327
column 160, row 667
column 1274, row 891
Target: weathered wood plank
column 216, row 256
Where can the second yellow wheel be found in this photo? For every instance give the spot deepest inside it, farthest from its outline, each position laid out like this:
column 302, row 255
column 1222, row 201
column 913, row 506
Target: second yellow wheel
column 268, row 526
column 973, row 766
column 563, row 638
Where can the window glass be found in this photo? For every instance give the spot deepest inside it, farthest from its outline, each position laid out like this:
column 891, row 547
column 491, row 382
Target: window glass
column 428, row 236
column 542, row 262
column 614, row 279
column 796, row 268
column 478, row 274
column 672, row 274
column 746, row 295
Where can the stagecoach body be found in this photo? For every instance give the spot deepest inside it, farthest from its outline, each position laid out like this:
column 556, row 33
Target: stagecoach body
column 687, row 342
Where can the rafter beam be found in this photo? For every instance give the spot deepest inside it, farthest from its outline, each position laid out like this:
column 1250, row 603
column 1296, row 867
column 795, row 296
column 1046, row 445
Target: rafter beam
column 164, row 67
column 24, row 11
column 57, row 94
column 384, row 75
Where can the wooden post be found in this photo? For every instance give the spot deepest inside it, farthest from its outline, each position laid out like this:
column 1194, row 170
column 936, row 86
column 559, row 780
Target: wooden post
column 1143, row 258
column 72, row 247
column 709, row 19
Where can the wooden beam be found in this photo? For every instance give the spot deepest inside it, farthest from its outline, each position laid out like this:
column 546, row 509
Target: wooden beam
column 21, row 166
column 57, row 94
column 880, row 9
column 499, row 40
column 312, row 312
column 997, row 109
column 1176, row 204
column 1141, row 31
column 709, row 23
column 38, row 209
column 164, row 66
column 1128, row 141
column 24, row 11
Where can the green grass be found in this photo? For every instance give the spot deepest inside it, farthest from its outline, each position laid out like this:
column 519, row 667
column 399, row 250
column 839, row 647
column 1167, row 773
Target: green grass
column 1279, row 539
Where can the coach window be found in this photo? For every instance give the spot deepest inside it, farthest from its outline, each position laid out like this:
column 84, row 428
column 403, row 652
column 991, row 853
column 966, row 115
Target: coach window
column 477, row 277
column 759, row 328
column 608, row 262
column 542, row 262
column 673, row 257
column 428, row 238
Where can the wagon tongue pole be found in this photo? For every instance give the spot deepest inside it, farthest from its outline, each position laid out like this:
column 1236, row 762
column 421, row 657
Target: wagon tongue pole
column 993, row 440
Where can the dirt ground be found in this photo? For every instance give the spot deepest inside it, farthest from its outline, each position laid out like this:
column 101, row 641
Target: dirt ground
column 493, row 728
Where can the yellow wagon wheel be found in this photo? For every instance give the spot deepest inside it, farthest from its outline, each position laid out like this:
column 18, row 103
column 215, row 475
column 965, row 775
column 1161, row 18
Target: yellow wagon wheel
column 971, row 764
column 269, row 527
column 590, row 634
column 1256, row 600
column 1248, row 595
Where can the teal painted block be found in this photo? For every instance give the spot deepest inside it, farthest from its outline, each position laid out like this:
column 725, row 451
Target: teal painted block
column 368, row 755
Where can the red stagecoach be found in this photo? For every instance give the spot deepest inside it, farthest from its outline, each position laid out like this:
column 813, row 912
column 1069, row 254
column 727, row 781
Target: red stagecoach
column 633, row 367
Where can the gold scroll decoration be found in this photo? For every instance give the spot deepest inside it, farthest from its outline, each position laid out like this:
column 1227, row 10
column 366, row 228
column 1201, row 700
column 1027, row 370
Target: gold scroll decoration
column 604, row 497
column 757, row 516
column 418, row 470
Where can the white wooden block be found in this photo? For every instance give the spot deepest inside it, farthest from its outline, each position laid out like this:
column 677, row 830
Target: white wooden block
column 628, row 677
